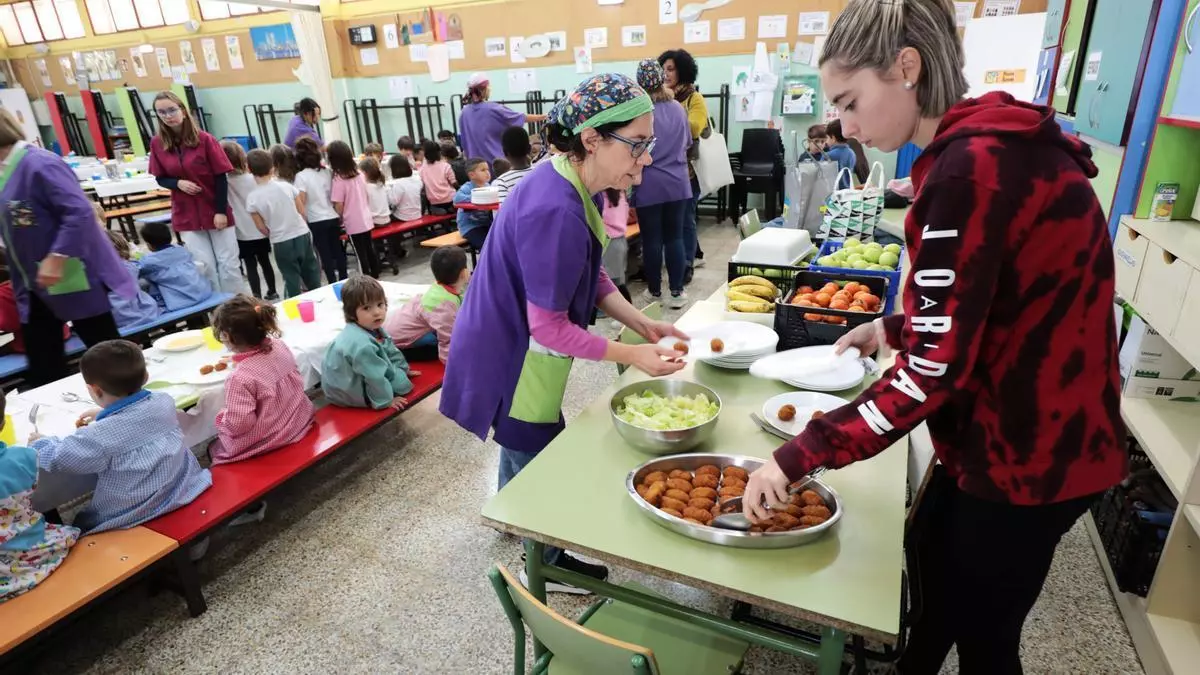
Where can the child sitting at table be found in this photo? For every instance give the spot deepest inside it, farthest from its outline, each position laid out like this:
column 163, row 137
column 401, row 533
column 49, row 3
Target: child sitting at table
column 171, row 274
column 278, row 212
column 409, row 150
column 421, row 327
column 457, row 162
column 404, row 190
column 374, row 151
column 473, row 224
column 363, row 368
column 132, row 443
column 265, row 404
column 139, row 309
column 30, row 548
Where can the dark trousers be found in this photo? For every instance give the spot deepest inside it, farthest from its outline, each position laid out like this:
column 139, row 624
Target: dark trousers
column 662, row 234
column 327, row 239
column 368, row 261
column 981, row 566
column 476, row 237
column 44, row 347
column 254, row 254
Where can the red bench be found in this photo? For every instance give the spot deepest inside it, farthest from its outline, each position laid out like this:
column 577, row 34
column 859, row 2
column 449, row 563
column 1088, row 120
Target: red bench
column 236, row 486
column 395, row 230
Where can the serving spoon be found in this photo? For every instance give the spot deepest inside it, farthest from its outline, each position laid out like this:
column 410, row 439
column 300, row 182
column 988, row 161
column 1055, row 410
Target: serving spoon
column 736, row 520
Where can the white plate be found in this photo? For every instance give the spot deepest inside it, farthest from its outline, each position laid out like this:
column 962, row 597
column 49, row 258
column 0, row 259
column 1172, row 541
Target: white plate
column 805, row 402
column 180, row 342
column 193, row 376
column 813, row 368
column 742, row 339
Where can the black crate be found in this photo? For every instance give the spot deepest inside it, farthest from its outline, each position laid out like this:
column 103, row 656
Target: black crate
column 1133, row 519
column 780, row 275
column 796, row 331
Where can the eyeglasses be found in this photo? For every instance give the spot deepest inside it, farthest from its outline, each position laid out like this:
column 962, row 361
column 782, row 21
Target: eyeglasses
column 168, row 112
column 636, row 148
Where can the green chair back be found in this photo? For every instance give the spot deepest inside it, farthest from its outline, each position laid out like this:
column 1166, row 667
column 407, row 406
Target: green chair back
column 572, row 647
column 654, row 311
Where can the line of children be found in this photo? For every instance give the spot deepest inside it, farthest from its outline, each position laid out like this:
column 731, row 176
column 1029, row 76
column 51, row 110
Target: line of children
column 422, row 327
column 315, row 183
column 363, row 368
column 169, row 272
column 132, row 443
column 285, row 162
column 377, row 196
column 404, row 190
column 438, row 178
column 278, row 213
column 253, row 247
column 474, row 225
column 136, row 310
column 349, row 197
column 517, row 149
column 265, row 404
column 814, row 145
column 375, row 151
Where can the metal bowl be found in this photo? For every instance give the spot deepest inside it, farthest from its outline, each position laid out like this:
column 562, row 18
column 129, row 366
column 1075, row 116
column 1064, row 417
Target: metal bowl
column 719, row 536
column 664, row 442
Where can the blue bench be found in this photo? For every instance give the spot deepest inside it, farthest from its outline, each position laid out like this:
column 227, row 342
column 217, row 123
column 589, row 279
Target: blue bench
column 12, row 365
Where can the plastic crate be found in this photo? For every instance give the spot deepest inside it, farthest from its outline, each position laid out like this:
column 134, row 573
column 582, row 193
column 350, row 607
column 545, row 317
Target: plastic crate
column 893, row 277
column 780, row 275
column 796, row 331
column 1133, row 519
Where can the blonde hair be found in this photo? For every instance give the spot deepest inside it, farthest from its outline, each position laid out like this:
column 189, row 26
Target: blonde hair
column 188, row 136
column 10, row 129
column 871, row 34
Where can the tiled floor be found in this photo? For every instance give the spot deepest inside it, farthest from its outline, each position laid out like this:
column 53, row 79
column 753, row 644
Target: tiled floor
column 374, row 562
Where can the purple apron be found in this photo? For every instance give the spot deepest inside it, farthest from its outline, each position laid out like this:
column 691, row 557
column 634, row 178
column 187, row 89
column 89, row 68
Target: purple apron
column 482, row 124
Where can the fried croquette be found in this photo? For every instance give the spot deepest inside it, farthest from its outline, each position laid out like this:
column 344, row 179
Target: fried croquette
column 680, row 347
column 205, row 369
column 679, row 484
column 709, row 469
column 819, row 511
column 641, row 490
column 794, row 510
column 809, row 521
column 735, row 472
column 672, row 512
column 681, row 474
column 677, row 494
column 732, row 491
column 786, row 520
column 717, row 345
column 693, row 520
column 817, row 414
column 700, row 503
column 705, row 480
column 220, row 365
column 702, row 515
column 654, row 477
column 733, row 483
column 704, row 493
column 787, row 413
column 775, row 528
column 655, row 492
column 811, row 498
column 671, row 503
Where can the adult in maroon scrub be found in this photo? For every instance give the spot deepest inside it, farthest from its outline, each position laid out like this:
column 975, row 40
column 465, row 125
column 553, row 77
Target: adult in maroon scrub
column 483, row 122
column 191, row 164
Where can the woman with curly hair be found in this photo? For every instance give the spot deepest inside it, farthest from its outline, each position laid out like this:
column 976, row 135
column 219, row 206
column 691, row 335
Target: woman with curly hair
column 680, row 72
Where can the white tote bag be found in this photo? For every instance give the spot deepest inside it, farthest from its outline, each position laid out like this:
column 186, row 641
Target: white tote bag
column 854, row 212
column 712, row 168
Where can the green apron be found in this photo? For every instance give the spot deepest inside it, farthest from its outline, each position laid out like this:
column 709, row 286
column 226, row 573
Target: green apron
column 543, row 381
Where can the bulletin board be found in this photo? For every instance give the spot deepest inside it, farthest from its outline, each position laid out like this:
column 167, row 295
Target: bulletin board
column 531, row 17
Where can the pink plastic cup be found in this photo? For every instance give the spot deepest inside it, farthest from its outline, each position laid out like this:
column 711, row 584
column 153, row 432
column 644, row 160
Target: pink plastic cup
column 308, row 311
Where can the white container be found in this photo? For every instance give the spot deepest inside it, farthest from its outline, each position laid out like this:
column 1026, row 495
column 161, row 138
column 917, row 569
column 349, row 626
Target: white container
column 1129, row 253
column 1187, row 329
column 1160, row 289
column 774, row 246
column 485, row 195
column 1151, row 368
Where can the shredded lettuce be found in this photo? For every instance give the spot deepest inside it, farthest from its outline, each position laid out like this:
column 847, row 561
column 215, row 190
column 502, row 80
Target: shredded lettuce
column 649, row 410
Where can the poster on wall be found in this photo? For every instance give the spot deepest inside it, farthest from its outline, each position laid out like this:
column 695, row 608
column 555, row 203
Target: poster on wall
column 558, row 40
column 400, row 88
column 697, row 31
column 418, row 53
column 43, row 72
column 521, row 80
column 369, row 56
column 495, row 47
column 211, row 61
column 274, row 42
column 754, row 106
column 1001, row 7
column 164, row 62
column 458, row 49
column 583, row 59
column 731, row 29
column 416, row 28
column 596, row 38
column 188, row 57
column 138, row 61
column 234, row 48
column 68, row 70
column 772, row 26
column 91, row 66
column 110, row 63
column 668, row 11
column 813, row 23
column 447, row 27
column 179, row 75
column 391, row 36
column 514, row 49
column 633, row 36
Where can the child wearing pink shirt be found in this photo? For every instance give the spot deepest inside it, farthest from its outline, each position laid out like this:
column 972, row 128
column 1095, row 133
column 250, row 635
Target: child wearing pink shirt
column 438, row 178
column 265, row 404
column 349, row 197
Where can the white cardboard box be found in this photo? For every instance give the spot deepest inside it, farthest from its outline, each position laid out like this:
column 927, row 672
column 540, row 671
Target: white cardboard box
column 1151, row 368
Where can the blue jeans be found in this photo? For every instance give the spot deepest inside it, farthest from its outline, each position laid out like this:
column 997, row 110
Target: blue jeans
column 691, row 241
column 511, row 463
column 662, row 232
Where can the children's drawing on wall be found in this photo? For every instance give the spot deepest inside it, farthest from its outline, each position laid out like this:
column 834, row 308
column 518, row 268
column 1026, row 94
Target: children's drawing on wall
column 110, row 62
column 495, row 46
column 274, row 42
column 44, row 72
column 583, row 59
column 164, row 62
column 740, row 83
column 233, row 47
column 68, row 70
column 416, row 28
column 123, row 66
column 138, row 61
column 558, row 40
column 188, row 57
column 447, row 27
column 211, row 60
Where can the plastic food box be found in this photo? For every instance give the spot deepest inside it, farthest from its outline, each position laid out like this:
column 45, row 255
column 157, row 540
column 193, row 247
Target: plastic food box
column 774, row 246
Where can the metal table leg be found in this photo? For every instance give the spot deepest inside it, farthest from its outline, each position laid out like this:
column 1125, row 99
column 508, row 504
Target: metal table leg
column 536, row 583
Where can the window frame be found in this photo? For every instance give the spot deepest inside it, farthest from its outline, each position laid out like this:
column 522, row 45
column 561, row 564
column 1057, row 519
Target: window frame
column 137, row 16
column 40, row 21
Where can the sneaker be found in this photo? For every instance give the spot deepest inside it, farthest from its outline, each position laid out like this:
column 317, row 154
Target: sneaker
column 254, row 514
column 698, row 262
column 677, row 300
column 648, row 297
column 272, row 297
column 567, row 562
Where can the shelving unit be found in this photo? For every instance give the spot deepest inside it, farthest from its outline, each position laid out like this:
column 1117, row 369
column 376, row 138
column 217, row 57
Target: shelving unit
column 1187, row 121
column 1170, row 434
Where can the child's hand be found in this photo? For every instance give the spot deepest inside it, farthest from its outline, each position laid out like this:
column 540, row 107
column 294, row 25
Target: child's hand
column 87, row 417
column 414, row 373
column 399, row 403
column 34, row 436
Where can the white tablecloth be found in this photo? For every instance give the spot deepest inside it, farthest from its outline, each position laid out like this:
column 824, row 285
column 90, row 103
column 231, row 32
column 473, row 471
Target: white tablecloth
column 90, row 166
column 126, row 186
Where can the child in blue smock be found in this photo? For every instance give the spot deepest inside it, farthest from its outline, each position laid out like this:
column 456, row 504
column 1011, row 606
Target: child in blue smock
column 474, row 225
column 139, row 309
column 30, row 548
column 132, row 443
column 363, row 368
column 174, row 281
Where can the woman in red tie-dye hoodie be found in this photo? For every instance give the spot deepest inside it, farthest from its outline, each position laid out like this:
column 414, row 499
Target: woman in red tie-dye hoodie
column 1006, row 346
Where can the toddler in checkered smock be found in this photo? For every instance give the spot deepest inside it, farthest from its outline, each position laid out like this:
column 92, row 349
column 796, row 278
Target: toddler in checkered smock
column 132, row 443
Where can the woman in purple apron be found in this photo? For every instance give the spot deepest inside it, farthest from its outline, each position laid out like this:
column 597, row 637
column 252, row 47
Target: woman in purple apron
column 526, row 314
column 304, row 123
column 482, row 122
column 61, row 261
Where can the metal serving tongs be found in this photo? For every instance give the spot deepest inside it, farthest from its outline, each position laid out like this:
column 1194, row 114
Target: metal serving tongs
column 736, row 520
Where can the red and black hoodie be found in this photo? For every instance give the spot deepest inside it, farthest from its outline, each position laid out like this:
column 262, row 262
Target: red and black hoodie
column 1007, row 346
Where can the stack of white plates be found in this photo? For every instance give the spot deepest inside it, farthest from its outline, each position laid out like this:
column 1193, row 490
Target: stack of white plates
column 741, row 344
column 813, row 368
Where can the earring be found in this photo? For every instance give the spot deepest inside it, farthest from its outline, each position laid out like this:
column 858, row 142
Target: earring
column 908, row 85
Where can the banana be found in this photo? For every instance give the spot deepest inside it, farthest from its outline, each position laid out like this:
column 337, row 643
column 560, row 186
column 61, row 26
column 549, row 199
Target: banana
column 737, row 294
column 750, row 307
column 754, row 290
column 755, row 281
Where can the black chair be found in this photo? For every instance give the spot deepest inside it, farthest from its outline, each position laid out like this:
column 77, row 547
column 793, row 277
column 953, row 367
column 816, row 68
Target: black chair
column 758, row 168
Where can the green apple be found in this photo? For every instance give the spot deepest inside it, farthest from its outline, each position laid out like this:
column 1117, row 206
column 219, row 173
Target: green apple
column 877, row 268
column 889, row 259
column 827, row 261
column 874, row 245
column 892, row 248
column 854, row 257
column 773, row 273
column 860, row 264
column 871, row 255
column 851, row 242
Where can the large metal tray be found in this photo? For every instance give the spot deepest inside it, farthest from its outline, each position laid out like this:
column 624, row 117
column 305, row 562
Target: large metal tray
column 716, row 535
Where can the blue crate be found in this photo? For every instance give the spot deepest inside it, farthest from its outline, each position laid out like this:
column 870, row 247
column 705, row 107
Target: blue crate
column 892, row 277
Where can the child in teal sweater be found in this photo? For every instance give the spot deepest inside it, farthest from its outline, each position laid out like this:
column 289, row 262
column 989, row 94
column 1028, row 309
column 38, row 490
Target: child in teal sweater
column 363, row 368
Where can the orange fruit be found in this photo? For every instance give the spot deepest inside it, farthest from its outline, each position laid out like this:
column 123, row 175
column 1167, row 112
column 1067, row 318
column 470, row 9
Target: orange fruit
column 834, row 319
column 852, row 287
column 814, row 317
column 872, row 300
column 823, row 298
column 839, row 303
column 862, row 295
column 856, row 308
column 830, row 288
column 859, row 303
column 804, row 289
column 806, row 296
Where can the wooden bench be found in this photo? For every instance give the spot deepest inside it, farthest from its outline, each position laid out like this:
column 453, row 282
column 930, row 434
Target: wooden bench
column 97, row 565
column 456, row 239
column 124, row 216
column 238, row 485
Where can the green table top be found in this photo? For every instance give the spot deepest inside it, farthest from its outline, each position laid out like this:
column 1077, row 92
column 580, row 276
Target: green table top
column 573, row 495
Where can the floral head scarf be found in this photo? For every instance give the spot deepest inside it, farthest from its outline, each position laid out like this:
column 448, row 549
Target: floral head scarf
column 601, row 99
column 650, row 75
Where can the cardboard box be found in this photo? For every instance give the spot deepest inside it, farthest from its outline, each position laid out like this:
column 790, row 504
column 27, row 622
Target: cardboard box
column 1151, row 368
column 1169, row 390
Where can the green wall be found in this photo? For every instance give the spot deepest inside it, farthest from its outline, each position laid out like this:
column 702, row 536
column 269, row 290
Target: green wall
column 1108, row 162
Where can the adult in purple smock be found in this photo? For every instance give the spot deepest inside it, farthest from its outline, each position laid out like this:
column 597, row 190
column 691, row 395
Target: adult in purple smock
column 531, row 299
column 665, row 195
column 191, row 164
column 304, row 123
column 482, row 122
column 61, row 261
